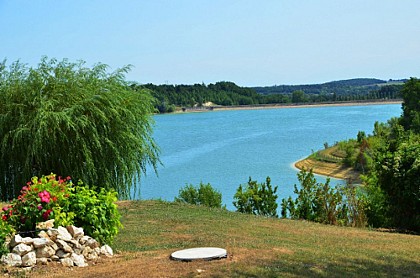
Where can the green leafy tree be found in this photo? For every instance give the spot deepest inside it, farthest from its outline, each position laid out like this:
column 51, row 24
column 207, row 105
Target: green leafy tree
column 257, row 198
column 393, row 186
column 299, row 96
column 411, row 105
column 398, row 171
column 204, row 195
column 66, row 118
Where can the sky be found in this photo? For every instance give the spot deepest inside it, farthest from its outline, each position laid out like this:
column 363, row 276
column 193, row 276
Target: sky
column 249, row 42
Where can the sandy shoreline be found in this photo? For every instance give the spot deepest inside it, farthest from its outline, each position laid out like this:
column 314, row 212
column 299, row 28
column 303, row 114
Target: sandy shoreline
column 327, row 169
column 284, row 106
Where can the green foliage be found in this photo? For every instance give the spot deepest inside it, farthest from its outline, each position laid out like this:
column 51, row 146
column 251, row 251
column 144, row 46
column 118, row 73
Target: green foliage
column 377, row 208
column 48, row 198
column 299, row 97
column 96, row 212
column 320, row 202
column 66, row 118
column 397, row 171
column 349, row 147
column 6, row 230
column 256, row 198
column 354, row 206
column 204, row 195
column 411, row 105
column 392, row 186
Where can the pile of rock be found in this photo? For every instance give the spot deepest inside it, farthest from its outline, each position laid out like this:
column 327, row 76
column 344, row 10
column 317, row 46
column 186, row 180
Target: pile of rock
column 69, row 246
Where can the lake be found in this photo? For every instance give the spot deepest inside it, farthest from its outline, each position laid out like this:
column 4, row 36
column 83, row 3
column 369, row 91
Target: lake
column 225, row 148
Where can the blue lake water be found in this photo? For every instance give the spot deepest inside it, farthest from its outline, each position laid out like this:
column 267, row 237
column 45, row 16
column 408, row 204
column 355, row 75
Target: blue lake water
column 225, row 148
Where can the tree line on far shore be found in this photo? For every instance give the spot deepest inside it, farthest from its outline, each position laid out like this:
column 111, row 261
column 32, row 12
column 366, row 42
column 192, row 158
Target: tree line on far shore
column 169, row 97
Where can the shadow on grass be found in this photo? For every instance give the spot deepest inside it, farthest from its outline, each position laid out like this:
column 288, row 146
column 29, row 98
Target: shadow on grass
column 350, row 268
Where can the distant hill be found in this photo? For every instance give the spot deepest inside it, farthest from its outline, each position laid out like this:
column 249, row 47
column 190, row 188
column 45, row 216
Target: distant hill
column 358, row 86
column 169, row 97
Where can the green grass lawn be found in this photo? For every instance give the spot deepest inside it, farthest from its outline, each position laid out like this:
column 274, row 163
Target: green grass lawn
column 262, row 247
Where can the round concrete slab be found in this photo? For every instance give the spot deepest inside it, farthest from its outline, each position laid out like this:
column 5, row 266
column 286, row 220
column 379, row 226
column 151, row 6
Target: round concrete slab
column 202, row 253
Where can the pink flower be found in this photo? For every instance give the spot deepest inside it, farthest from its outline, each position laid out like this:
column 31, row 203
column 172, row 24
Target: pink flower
column 39, row 207
column 45, row 196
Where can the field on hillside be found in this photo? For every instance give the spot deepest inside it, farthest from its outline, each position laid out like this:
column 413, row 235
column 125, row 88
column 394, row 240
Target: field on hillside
column 257, row 247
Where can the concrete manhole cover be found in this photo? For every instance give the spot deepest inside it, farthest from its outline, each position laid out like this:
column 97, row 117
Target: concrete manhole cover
column 202, row 253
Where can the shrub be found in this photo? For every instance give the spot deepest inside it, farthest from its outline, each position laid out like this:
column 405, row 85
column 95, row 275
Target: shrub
column 6, row 230
column 50, row 198
column 256, row 198
column 322, row 203
column 40, row 200
column 96, row 211
column 204, row 195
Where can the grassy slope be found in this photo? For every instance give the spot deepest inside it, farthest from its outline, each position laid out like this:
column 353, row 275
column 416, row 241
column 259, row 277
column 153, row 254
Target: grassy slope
column 257, row 246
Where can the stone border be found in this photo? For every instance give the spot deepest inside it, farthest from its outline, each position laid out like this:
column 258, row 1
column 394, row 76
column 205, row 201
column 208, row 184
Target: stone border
column 66, row 245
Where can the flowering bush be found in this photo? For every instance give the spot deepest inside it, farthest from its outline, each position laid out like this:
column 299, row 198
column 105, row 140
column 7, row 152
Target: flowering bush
column 40, row 200
column 51, row 198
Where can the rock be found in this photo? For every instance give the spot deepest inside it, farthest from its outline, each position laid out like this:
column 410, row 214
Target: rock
column 45, row 225
column 90, row 254
column 45, row 252
column 67, row 262
column 93, row 256
column 107, row 251
column 62, row 254
column 55, row 258
column 43, row 261
column 87, row 250
column 11, row 259
column 63, row 245
column 76, row 245
column 53, row 233
column 83, row 239
column 43, row 234
column 15, row 240
column 27, row 240
column 29, row 259
column 78, row 260
column 76, row 232
column 41, row 242
column 92, row 243
column 22, row 249
column 64, row 234
column 67, row 245
column 54, row 246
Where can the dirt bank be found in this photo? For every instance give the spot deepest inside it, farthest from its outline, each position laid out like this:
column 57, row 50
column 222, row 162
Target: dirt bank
column 334, row 170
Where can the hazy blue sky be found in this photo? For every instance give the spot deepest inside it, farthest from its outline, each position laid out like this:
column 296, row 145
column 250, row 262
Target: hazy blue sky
column 252, row 43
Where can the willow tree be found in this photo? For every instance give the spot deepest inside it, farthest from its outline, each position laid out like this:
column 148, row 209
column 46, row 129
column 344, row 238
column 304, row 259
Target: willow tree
column 66, row 118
